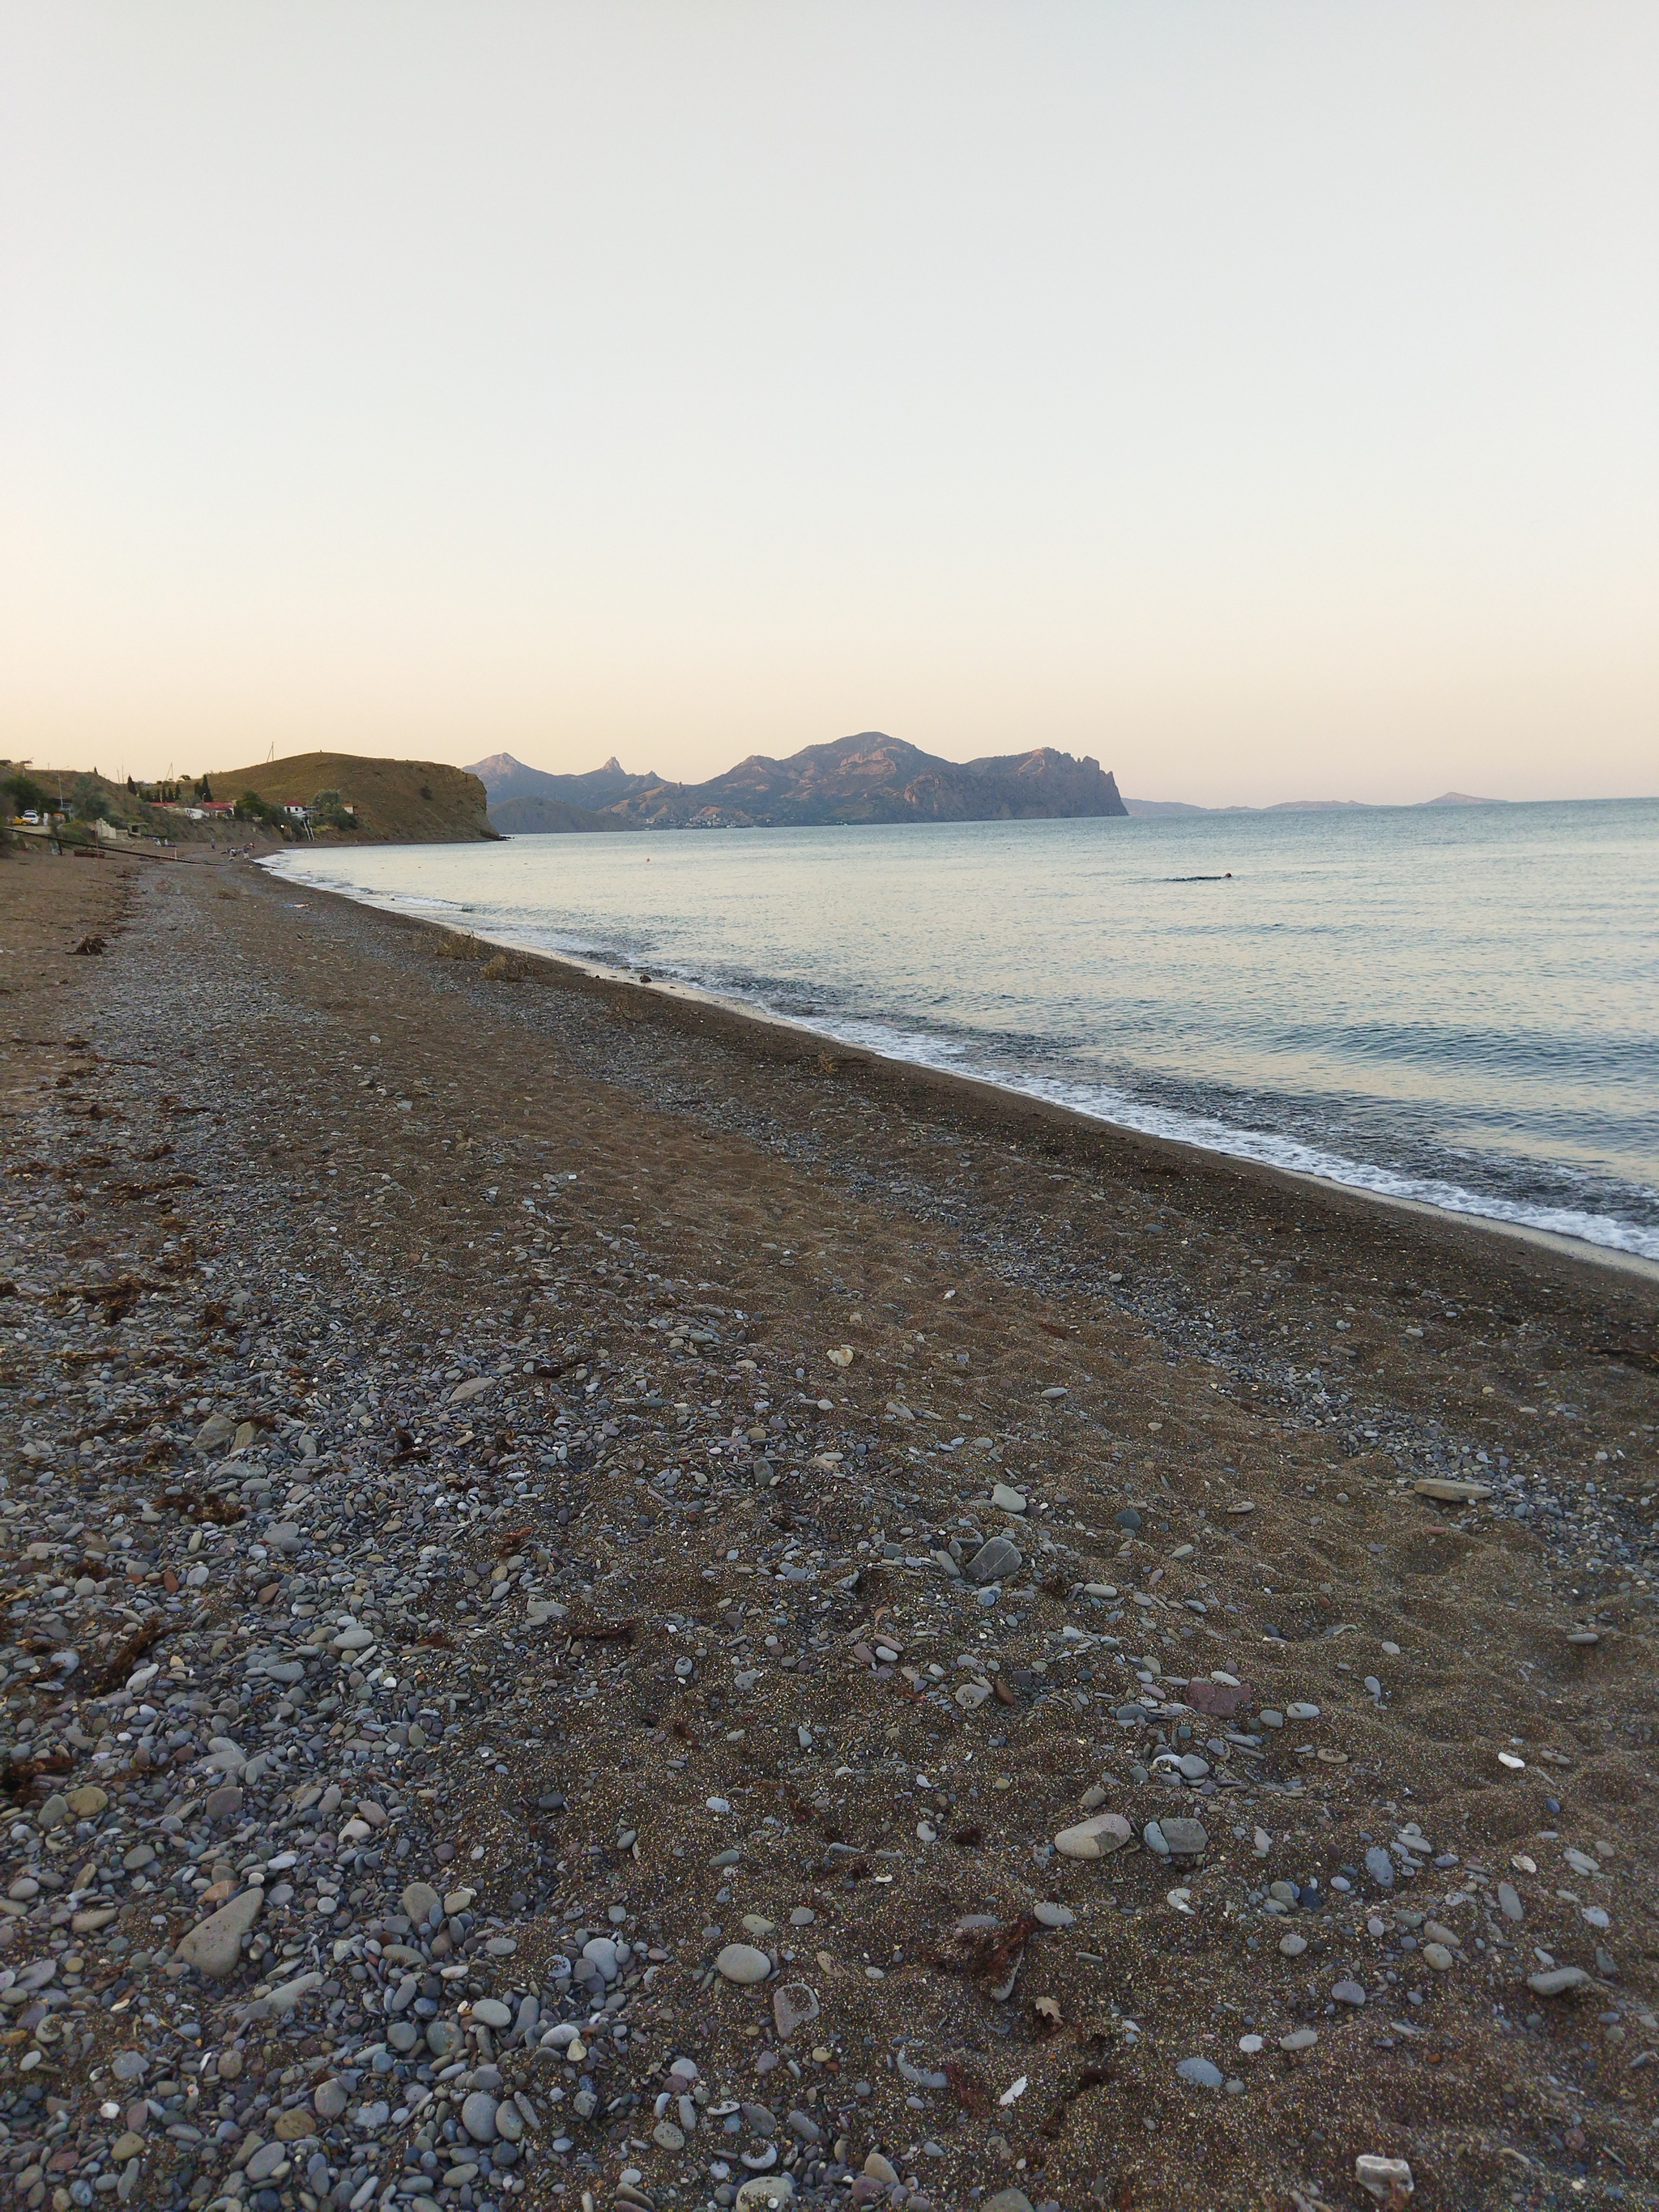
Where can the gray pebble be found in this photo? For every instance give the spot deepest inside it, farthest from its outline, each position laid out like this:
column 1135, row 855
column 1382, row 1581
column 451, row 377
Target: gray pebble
column 743, row 1963
column 419, row 1901
column 995, row 1561
column 479, row 2116
column 1200, row 2072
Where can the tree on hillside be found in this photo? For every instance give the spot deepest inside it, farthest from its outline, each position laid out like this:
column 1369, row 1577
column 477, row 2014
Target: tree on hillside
column 24, row 794
column 88, row 804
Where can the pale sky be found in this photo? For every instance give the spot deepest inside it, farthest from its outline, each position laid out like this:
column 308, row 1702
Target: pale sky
column 1261, row 398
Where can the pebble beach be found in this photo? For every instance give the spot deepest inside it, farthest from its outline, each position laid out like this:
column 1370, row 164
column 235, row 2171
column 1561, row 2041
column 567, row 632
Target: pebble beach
column 608, row 1606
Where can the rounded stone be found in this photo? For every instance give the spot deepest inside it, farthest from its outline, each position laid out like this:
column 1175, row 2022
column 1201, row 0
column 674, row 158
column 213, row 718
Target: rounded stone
column 995, row 1561
column 1292, row 1946
column 1094, row 1838
column 212, row 1946
column 768, row 2192
column 479, row 2116
column 794, row 2005
column 1185, row 1839
column 493, row 2013
column 329, row 2099
column 743, row 1963
column 1201, row 2073
column 1438, row 1957
column 419, row 1901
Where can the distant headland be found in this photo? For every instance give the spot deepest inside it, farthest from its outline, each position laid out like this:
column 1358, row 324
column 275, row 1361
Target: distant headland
column 867, row 778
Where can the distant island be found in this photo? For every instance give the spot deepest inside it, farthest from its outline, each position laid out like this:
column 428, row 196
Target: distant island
column 1158, row 807
column 863, row 779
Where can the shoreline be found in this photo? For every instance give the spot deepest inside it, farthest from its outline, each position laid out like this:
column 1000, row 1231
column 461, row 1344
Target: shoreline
column 524, row 1465
column 1582, row 1249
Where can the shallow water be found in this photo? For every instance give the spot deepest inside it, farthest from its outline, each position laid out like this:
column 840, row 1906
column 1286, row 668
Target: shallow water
column 1456, row 1006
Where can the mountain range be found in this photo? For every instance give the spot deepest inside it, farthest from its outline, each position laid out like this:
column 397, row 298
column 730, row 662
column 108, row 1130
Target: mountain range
column 1165, row 806
column 867, row 778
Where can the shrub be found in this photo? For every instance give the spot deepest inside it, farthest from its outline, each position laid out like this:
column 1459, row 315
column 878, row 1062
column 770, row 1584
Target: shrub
column 88, row 804
column 24, row 794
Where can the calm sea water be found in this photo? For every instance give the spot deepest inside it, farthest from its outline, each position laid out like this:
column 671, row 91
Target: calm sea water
column 1454, row 1005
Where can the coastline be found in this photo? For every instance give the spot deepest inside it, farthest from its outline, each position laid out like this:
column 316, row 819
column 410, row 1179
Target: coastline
column 980, row 1087
column 1244, row 1147
column 529, row 1283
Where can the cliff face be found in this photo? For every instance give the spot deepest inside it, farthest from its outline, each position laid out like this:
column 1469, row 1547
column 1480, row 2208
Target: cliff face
column 868, row 778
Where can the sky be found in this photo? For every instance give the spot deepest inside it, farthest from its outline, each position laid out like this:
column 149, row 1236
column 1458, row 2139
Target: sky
column 1260, row 399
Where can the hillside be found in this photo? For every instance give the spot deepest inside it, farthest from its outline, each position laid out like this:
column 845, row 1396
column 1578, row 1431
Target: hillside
column 85, row 794
column 867, row 778
column 530, row 817
column 397, row 802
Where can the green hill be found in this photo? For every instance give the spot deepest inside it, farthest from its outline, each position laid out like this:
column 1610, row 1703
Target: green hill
column 393, row 802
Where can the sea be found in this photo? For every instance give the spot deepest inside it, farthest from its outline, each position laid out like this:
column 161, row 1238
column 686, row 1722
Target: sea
column 1457, row 1005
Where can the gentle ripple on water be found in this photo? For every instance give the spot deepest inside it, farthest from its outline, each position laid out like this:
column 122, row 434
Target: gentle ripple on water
column 1456, row 1006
